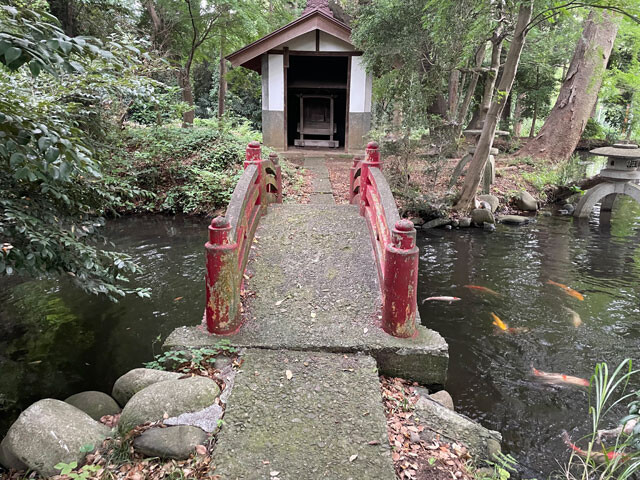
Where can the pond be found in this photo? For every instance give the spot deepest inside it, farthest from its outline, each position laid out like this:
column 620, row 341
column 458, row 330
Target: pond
column 55, row 340
column 490, row 372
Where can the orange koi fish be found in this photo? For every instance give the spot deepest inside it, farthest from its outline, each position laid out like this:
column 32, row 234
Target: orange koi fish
column 504, row 327
column 482, row 289
column 499, row 323
column 599, row 457
column 559, row 378
column 568, row 290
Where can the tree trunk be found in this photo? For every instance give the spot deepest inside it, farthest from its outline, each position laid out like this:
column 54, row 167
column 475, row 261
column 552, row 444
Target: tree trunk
column 534, row 119
column 222, row 85
column 561, row 131
column 483, row 147
column 491, row 77
column 187, row 96
column 471, row 89
column 454, row 86
column 517, row 115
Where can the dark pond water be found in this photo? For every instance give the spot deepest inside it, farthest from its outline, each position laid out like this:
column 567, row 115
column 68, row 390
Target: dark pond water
column 55, row 340
column 490, row 373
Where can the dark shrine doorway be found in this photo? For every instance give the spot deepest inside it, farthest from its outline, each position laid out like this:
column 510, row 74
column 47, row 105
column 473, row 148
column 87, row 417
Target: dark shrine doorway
column 317, row 88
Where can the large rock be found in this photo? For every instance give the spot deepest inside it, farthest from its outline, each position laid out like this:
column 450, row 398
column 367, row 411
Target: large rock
column 135, row 380
column 452, row 426
column 479, row 216
column 443, row 398
column 95, row 404
column 8, row 460
column 171, row 442
column 524, row 201
column 51, row 431
column 464, row 222
column 170, row 398
column 492, row 200
column 513, row 219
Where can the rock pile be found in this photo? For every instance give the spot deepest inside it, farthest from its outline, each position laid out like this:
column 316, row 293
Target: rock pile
column 52, row 431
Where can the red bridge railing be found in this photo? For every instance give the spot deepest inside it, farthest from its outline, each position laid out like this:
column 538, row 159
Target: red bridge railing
column 394, row 243
column 231, row 236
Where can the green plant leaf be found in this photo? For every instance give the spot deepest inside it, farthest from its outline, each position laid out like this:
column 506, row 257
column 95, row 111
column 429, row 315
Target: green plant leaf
column 11, row 54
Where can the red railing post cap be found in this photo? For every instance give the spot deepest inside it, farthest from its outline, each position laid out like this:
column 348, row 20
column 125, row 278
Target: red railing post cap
column 220, row 222
column 254, row 144
column 404, row 225
column 372, row 146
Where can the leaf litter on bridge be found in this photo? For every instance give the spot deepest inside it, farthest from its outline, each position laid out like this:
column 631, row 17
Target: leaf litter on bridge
column 413, row 457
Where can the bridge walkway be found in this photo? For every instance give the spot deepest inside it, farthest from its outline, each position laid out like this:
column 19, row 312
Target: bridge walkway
column 307, row 402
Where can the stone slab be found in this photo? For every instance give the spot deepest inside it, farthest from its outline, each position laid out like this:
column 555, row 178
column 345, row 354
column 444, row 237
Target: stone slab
column 317, row 424
column 316, row 289
column 322, row 199
column 321, row 184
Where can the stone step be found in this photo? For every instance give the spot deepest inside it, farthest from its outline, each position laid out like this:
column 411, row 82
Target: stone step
column 324, row 420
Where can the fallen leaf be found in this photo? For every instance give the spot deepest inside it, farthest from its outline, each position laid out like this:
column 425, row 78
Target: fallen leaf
column 313, row 314
column 289, row 374
column 279, row 302
column 353, row 457
column 274, row 473
column 373, row 442
column 266, row 462
column 201, row 450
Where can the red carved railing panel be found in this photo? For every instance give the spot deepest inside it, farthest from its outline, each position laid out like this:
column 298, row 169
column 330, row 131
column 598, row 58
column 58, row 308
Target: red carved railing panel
column 231, row 236
column 394, row 243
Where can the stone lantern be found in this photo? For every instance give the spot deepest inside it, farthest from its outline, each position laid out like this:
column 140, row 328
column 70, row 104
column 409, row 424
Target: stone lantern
column 620, row 174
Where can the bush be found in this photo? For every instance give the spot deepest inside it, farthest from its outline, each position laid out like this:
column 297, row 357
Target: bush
column 188, row 170
column 592, row 130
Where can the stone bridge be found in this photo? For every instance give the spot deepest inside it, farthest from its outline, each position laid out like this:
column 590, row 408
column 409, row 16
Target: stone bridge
column 327, row 294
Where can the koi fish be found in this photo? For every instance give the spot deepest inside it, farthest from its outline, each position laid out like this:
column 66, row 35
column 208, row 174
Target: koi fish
column 442, row 299
column 559, row 378
column 568, row 290
column 177, row 299
column 627, row 429
column 499, row 323
column 482, row 289
column 599, row 457
column 575, row 318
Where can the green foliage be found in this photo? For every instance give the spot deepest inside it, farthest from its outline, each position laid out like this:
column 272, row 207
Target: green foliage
column 83, row 473
column 593, row 130
column 187, row 360
column 190, row 170
column 503, row 465
column 51, row 190
column 608, row 391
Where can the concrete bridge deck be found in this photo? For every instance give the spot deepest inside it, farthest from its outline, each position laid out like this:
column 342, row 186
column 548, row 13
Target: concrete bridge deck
column 307, row 398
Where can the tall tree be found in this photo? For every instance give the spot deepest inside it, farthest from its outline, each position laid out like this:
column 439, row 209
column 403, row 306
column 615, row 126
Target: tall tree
column 481, row 154
column 179, row 31
column 561, row 132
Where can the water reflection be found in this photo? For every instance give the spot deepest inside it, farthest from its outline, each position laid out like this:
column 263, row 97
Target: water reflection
column 490, row 373
column 55, row 340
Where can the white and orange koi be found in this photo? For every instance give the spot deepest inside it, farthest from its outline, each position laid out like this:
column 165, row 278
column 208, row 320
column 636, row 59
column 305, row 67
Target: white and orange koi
column 442, row 299
column 559, row 378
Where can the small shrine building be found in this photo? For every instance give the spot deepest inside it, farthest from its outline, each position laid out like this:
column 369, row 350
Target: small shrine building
column 315, row 89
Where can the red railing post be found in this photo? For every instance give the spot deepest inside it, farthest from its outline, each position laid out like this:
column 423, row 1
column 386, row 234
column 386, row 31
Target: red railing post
column 222, row 311
column 371, row 160
column 276, row 163
column 399, row 292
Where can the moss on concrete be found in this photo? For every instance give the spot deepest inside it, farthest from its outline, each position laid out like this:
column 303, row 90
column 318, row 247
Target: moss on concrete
column 308, row 426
